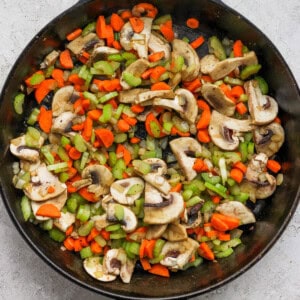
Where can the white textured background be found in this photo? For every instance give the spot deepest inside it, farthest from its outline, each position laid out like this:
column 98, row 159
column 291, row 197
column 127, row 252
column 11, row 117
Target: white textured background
column 23, row 275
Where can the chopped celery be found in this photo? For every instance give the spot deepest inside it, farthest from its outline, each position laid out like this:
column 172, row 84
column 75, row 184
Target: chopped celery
column 100, row 240
column 119, row 212
column 104, row 66
column 72, row 204
column 32, row 137
column 86, row 252
column 195, row 263
column 89, row 28
column 233, row 81
column 187, row 194
column 84, row 160
column 225, row 253
column 119, row 168
column 62, row 153
column 133, row 248
column 149, row 154
column 129, row 56
column 218, row 189
column 107, row 113
column 57, row 235
column 112, row 158
column 48, row 155
column 115, row 57
column 18, row 103
column 195, row 185
column 58, row 166
column 26, row 208
column 90, row 96
column 142, row 166
column 131, row 80
column 83, row 213
column 208, row 177
column 158, row 247
column 117, row 113
column 36, row 78
column 47, row 225
column 135, row 189
column 216, row 47
column 178, row 64
column 138, row 206
column 242, row 197
column 163, row 19
column 63, row 177
column 113, row 227
column 120, row 137
column 65, row 141
column 262, row 85
column 243, row 148
column 32, row 119
column 86, row 228
column 108, row 96
column 193, row 201
column 249, row 70
column 79, row 143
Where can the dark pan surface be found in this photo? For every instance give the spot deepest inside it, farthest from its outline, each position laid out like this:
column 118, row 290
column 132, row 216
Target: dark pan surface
column 276, row 214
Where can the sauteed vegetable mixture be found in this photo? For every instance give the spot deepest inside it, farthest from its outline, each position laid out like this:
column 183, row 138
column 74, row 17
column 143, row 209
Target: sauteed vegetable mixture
column 140, row 152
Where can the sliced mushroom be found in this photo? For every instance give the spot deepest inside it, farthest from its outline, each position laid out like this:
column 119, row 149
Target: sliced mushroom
column 193, row 216
column 64, row 122
column 177, row 254
column 150, row 95
column 116, row 262
column 100, row 53
column 136, row 41
column 100, row 179
column 136, row 68
column 185, row 149
column 224, row 131
column 157, row 43
column 208, row 63
column 155, row 177
column 38, row 187
column 258, row 183
column 164, row 211
column 63, row 100
column 268, row 139
column 217, row 99
column 129, row 221
column 226, row 66
column 101, row 221
column 184, row 103
column 175, row 232
column 79, row 44
column 238, row 210
column 263, row 109
column 126, row 191
column 191, row 59
column 58, row 201
column 155, row 231
column 50, row 59
column 65, row 221
column 29, row 166
column 94, row 268
column 18, row 148
column 130, row 96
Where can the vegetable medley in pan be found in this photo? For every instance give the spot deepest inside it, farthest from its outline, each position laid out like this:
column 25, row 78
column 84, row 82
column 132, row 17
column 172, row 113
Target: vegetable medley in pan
column 139, row 151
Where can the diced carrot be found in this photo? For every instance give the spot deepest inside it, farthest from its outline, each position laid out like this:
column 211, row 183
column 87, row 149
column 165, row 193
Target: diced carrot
column 123, row 126
column 75, row 79
column 193, row 85
column 126, row 14
column 96, row 248
column 87, row 195
column 111, row 85
column 65, row 59
column 241, row 108
column 224, row 236
column 211, row 233
column 101, row 27
column 74, row 34
column 94, row 114
column 216, row 199
column 69, row 230
column 218, row 224
column 206, row 78
column 137, row 108
column 146, row 9
column 58, row 75
column 78, row 127
column 273, row 165
column 231, row 222
column 198, row 165
column 160, row 270
column 106, row 136
column 50, row 189
column 197, row 42
column 159, row 86
column 44, row 89
column 78, row 107
column 83, row 241
column 240, row 166
column 109, row 35
column 117, row 45
column 149, row 247
column 105, row 234
column 145, row 264
column 116, row 22
column 45, row 119
column 48, row 210
column 204, row 119
column 167, row 30
column 135, row 140
column 175, row 131
column 277, row 120
column 157, row 72
column 203, row 136
column 156, row 56
column 146, row 74
column 87, row 129
column 28, row 80
column 177, row 188
column 137, row 24
column 126, row 153
column 202, row 104
column 192, row 23
column 206, row 252
column 69, row 243
column 236, row 174
column 74, row 153
column 238, row 48
column 237, row 91
column 86, row 104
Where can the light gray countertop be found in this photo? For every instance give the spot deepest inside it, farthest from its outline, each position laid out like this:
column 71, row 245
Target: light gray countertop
column 23, row 275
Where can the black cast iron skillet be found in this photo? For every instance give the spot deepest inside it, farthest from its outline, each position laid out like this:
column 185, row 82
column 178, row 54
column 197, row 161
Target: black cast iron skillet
column 272, row 214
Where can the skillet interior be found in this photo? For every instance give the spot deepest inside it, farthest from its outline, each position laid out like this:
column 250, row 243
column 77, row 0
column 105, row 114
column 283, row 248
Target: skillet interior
column 214, row 19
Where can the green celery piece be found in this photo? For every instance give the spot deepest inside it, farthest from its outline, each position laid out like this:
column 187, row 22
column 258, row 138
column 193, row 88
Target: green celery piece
column 57, row 166
column 62, row 153
column 193, row 201
column 64, row 141
column 210, row 178
column 115, row 57
column 233, row 81
column 57, row 235
column 119, row 212
column 26, row 208
column 47, row 225
column 131, row 80
column 187, row 194
column 118, row 169
column 217, row 48
column 195, row 263
column 107, row 113
column 32, row 137
column 36, row 79
column 100, row 240
column 18, row 103
column 120, row 137
column 112, row 158
column 249, row 70
column 32, row 119
column 129, row 56
column 135, row 189
column 104, row 66
column 225, row 253
column 86, row 228
column 83, row 213
column 84, row 160
column 79, row 143
column 63, row 177
column 90, row 96
column 113, row 227
column 155, row 129
column 158, row 247
column 218, row 189
column 108, row 96
column 262, row 85
column 86, row 252
column 243, row 148
column 72, row 204
column 48, row 155
column 178, row 64
column 163, row 19
column 91, row 27
column 142, row 166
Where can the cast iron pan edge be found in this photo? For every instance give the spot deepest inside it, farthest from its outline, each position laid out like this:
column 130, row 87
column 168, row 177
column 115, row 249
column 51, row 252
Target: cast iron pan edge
column 111, row 294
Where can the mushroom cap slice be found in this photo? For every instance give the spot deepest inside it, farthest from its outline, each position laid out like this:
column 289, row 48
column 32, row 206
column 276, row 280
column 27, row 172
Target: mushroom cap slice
column 207, row 63
column 175, row 232
column 263, row 109
column 184, row 149
column 150, row 95
column 226, row 66
column 18, row 148
column 268, row 139
column 64, row 122
column 238, row 210
column 177, row 254
column 58, row 201
column 101, row 179
column 217, row 99
column 37, row 188
column 223, row 130
column 136, row 41
column 155, row 231
column 129, row 222
column 130, row 96
column 157, row 43
column 100, row 221
column 101, row 52
column 78, row 44
column 93, row 267
column 184, row 103
column 65, row 221
column 126, row 191
column 155, row 177
column 62, row 100
column 191, row 59
column 166, row 211
column 127, row 269
column 136, row 68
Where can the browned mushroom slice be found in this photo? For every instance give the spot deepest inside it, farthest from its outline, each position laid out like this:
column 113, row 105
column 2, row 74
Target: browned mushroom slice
column 131, row 96
column 217, row 99
column 79, row 44
column 224, row 130
column 150, row 95
column 175, row 232
column 226, row 66
column 207, row 63
column 95, row 269
column 157, row 43
column 155, row 231
column 185, row 149
column 263, row 109
column 50, row 59
column 191, row 59
column 268, row 139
